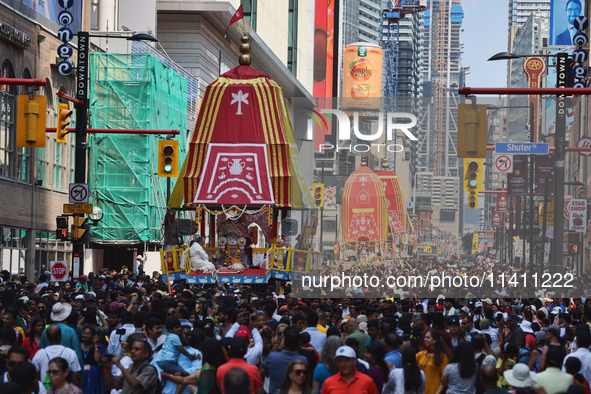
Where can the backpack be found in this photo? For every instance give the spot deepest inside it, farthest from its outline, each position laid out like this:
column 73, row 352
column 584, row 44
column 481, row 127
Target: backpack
column 524, row 354
column 158, row 383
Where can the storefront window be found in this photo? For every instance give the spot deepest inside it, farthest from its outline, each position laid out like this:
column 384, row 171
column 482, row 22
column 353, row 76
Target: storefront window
column 7, row 109
column 48, row 248
column 13, row 250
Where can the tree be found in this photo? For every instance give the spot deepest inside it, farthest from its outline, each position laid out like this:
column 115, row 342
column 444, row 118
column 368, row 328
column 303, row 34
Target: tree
column 467, row 243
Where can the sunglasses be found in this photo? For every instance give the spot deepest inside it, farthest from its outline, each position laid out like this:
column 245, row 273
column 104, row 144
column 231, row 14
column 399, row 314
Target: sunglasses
column 299, row 372
column 53, row 371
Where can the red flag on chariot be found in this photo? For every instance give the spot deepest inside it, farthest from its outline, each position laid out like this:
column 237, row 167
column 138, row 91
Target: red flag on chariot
column 239, row 14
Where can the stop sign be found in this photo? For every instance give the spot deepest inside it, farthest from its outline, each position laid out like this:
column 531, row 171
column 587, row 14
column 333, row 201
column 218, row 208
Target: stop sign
column 59, row 271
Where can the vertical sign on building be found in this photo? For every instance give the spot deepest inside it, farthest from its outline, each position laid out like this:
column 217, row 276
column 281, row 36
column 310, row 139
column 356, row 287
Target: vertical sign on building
column 65, row 34
column 323, row 62
column 578, row 215
column 518, row 181
column 544, row 173
column 534, row 69
column 502, row 203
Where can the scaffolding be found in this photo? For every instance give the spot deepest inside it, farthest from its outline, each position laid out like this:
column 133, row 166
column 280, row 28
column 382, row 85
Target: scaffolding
column 132, row 91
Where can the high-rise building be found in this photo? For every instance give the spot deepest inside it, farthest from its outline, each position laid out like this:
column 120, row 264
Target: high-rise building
column 444, row 191
column 529, row 40
column 519, row 11
column 370, row 20
column 442, row 75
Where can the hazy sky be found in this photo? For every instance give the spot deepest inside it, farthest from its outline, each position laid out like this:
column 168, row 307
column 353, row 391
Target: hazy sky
column 485, row 33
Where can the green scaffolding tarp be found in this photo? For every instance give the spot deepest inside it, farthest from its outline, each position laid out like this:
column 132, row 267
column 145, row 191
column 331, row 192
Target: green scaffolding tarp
column 132, row 91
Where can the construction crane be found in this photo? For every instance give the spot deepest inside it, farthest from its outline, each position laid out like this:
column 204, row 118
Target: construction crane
column 393, row 16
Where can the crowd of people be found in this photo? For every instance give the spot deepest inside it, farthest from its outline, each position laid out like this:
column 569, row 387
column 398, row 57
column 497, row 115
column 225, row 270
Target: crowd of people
column 120, row 332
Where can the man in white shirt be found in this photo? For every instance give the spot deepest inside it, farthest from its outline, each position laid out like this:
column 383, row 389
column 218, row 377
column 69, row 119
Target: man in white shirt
column 44, row 356
column 582, row 353
column 317, row 338
column 120, row 335
column 199, row 258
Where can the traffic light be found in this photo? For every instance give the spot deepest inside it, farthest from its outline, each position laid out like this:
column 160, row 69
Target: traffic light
column 474, row 175
column 472, row 200
column 472, row 130
column 30, row 121
column 61, row 232
column 63, row 113
column 574, row 244
column 168, row 159
column 573, row 249
column 81, row 230
column 319, row 194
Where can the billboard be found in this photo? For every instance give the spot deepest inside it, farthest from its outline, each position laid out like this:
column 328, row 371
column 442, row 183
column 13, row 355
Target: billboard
column 50, row 10
column 447, row 215
column 562, row 16
column 362, row 79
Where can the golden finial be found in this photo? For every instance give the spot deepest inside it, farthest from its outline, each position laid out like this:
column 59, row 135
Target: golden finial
column 244, row 27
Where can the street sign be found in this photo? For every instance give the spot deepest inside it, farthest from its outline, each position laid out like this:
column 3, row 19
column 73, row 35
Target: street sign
column 578, row 215
column 518, row 248
column 522, row 148
column 79, row 193
column 503, row 164
column 584, row 142
column 77, row 208
column 546, row 252
column 75, row 266
column 59, row 271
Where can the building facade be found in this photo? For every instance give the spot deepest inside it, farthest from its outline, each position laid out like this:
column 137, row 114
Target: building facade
column 33, row 181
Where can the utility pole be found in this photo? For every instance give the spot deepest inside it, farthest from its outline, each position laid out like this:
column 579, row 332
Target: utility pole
column 81, row 144
column 559, row 156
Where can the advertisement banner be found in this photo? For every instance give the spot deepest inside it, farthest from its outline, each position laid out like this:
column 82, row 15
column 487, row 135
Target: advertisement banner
column 330, row 197
column 362, row 80
column 562, row 17
column 578, row 215
column 549, row 214
column 502, row 202
column 518, row 181
column 323, row 62
column 544, row 173
column 496, row 219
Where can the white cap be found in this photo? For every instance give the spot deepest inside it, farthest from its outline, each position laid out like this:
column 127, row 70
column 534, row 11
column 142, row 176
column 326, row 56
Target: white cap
column 478, row 304
column 79, row 297
column 557, row 310
column 345, row 351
